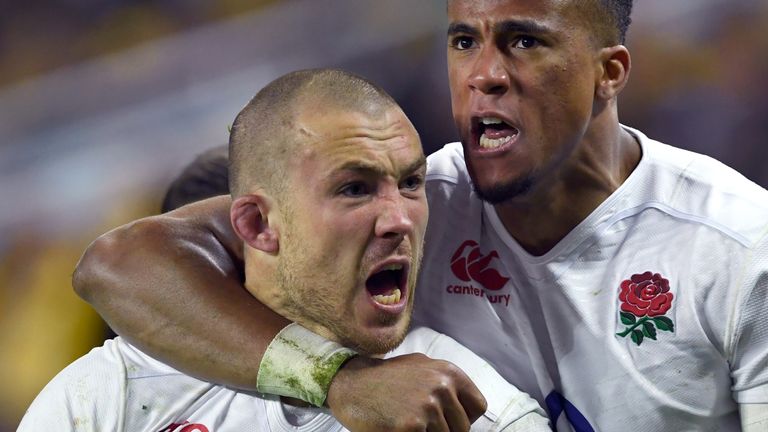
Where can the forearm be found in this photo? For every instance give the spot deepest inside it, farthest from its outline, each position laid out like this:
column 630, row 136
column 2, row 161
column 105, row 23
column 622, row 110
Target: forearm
column 169, row 285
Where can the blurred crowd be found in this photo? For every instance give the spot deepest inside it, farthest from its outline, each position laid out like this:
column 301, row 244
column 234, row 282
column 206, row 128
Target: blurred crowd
column 37, row 36
column 699, row 81
column 704, row 85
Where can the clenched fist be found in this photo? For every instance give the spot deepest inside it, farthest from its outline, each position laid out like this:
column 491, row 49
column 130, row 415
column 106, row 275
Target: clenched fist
column 407, row 393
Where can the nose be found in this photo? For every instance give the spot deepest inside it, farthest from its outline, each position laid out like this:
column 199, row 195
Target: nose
column 488, row 74
column 394, row 219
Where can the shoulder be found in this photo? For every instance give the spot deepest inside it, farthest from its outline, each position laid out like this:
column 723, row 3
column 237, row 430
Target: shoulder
column 447, row 164
column 449, row 189
column 721, row 221
column 701, row 190
column 86, row 394
column 100, row 390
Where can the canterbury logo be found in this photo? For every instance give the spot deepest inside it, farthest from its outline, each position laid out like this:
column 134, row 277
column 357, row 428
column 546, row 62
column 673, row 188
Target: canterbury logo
column 185, row 427
column 469, row 264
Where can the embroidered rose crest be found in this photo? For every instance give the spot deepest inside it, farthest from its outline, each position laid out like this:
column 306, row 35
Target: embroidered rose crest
column 645, row 298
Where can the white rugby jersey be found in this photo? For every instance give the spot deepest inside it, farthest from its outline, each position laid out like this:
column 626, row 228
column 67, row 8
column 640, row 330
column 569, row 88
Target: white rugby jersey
column 116, row 387
column 648, row 316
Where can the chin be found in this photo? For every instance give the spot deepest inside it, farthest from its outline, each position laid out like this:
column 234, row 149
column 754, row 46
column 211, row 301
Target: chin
column 503, row 192
column 379, row 341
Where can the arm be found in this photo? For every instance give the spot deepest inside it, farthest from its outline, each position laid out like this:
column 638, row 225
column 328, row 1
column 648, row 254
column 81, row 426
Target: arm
column 172, row 286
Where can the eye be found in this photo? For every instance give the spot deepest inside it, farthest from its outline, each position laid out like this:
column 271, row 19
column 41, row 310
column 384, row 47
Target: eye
column 462, row 42
column 525, row 42
column 412, row 183
column 354, row 190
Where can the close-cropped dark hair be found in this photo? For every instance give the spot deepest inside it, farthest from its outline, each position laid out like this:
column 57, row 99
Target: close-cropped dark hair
column 621, row 11
column 206, row 176
column 611, row 18
column 265, row 133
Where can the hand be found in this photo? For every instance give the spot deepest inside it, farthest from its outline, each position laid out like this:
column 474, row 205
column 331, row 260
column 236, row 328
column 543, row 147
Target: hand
column 407, row 393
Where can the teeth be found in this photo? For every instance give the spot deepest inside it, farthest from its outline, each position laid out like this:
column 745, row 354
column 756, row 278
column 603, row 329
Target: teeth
column 491, row 143
column 490, row 120
column 393, row 298
column 393, row 267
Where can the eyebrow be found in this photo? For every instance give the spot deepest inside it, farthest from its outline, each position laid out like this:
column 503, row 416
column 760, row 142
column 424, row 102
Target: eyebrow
column 521, row 26
column 418, row 164
column 365, row 167
column 456, row 28
column 507, row 26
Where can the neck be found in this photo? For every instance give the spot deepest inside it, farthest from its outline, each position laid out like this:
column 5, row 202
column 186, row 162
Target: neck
column 263, row 282
column 599, row 165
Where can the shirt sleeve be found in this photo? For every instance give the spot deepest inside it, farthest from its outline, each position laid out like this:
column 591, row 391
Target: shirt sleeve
column 86, row 396
column 509, row 409
column 754, row 417
column 749, row 356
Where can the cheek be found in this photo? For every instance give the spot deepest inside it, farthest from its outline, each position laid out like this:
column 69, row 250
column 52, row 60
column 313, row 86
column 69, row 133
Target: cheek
column 577, row 86
column 457, row 88
column 568, row 96
column 420, row 215
column 320, row 234
column 453, row 71
column 345, row 233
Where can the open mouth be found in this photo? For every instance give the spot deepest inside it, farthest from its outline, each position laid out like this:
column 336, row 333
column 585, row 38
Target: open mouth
column 387, row 285
column 492, row 132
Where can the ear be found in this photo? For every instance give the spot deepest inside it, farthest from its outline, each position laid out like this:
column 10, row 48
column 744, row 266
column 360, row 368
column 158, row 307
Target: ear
column 250, row 215
column 615, row 65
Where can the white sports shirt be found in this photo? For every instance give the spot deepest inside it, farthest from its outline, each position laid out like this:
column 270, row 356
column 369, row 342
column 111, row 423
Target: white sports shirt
column 118, row 388
column 649, row 316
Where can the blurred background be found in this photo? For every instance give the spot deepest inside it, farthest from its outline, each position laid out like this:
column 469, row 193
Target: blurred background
column 103, row 102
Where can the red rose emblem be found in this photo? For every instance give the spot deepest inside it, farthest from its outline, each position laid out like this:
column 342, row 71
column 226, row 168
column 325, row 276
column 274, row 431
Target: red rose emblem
column 646, row 294
column 645, row 298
